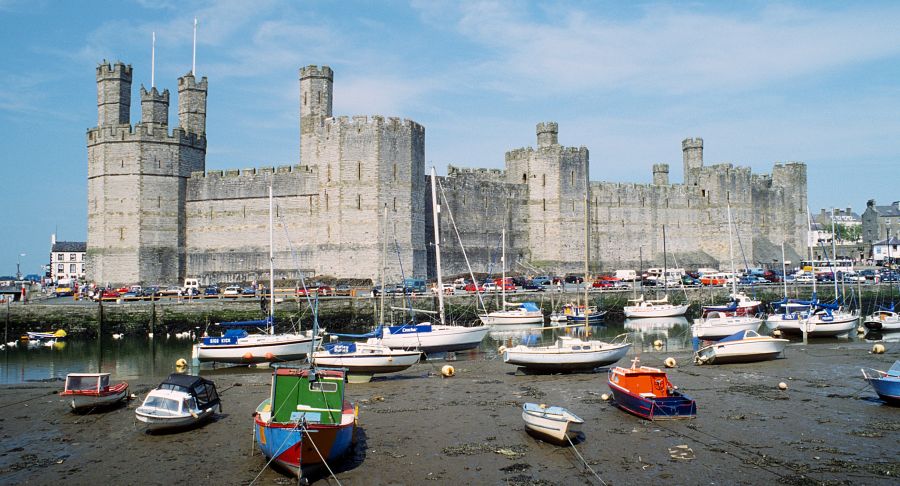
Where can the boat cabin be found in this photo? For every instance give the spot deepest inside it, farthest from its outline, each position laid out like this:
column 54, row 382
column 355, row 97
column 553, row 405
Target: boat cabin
column 311, row 395
column 87, row 382
column 201, row 391
column 644, row 381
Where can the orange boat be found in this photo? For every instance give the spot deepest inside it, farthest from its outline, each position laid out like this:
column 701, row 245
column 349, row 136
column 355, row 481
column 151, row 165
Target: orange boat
column 647, row 393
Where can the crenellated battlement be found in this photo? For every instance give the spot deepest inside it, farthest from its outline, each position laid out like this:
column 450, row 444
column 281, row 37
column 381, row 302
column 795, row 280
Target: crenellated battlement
column 144, row 134
column 188, row 81
column 313, row 71
column 690, row 143
column 119, row 70
column 375, row 121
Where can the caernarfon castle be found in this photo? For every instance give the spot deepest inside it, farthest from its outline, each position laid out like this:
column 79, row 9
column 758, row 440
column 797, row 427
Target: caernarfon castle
column 156, row 215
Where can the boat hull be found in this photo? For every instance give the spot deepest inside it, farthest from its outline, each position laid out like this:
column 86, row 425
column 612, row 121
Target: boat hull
column 439, row 339
column 81, row 402
column 666, row 408
column 882, row 321
column 816, row 327
column 716, row 328
column 553, row 358
column 511, row 318
column 257, row 349
column 555, row 428
column 668, row 310
column 295, row 450
column 156, row 423
column 744, row 351
column 593, row 318
column 368, row 363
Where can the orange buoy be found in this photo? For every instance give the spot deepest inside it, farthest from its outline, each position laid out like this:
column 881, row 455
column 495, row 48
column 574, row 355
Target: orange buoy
column 248, row 356
column 270, row 356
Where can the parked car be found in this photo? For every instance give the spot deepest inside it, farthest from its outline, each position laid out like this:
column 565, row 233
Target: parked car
column 213, row 290
column 491, row 287
column 232, row 291
column 248, row 291
column 603, row 284
column 531, row 286
column 542, row 280
column 574, row 279
column 342, row 289
column 471, row 287
column 108, row 294
column 689, row 281
column 324, row 290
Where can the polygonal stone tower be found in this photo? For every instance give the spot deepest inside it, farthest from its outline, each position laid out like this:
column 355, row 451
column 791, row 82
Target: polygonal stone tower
column 660, row 174
column 692, row 149
column 316, row 92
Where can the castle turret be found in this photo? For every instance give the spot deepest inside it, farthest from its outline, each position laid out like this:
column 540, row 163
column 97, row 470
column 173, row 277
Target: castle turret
column 660, row 174
column 316, row 89
column 192, row 104
column 154, row 107
column 692, row 149
column 113, row 94
column 547, row 134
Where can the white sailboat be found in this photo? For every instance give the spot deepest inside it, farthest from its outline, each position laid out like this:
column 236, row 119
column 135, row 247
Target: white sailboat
column 364, row 360
column 427, row 337
column 523, row 313
column 642, row 307
column 237, row 345
column 716, row 324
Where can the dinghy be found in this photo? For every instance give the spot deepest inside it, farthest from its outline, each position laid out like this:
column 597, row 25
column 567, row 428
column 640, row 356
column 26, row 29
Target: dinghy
column 178, row 402
column 86, row 391
column 647, row 393
column 717, row 325
column 741, row 347
column 551, row 424
column 885, row 383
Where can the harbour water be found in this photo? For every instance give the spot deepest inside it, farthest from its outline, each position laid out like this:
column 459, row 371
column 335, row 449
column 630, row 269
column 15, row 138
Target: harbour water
column 138, row 357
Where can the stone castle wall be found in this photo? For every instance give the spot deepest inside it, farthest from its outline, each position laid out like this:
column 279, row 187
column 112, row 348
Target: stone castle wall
column 360, row 193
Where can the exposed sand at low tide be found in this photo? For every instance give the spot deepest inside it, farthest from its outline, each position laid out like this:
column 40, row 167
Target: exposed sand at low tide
column 419, row 428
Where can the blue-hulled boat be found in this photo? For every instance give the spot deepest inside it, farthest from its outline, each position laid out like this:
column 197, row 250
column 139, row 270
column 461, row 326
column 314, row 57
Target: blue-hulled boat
column 647, row 393
column 885, row 383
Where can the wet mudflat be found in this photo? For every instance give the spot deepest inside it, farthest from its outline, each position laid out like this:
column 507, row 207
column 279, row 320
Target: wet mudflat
column 419, row 428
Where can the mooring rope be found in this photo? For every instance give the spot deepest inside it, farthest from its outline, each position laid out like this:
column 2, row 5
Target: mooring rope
column 585, row 462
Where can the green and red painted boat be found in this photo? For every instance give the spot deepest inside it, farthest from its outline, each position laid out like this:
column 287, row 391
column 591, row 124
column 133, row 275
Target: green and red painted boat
column 305, row 422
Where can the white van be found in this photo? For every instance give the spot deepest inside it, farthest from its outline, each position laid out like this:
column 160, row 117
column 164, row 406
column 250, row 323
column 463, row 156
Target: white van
column 627, row 275
column 191, row 286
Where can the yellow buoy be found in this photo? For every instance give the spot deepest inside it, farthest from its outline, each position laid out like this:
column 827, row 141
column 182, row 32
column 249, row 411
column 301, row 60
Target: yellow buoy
column 181, row 363
column 878, row 348
column 447, row 371
column 776, row 333
column 501, row 350
column 671, row 363
column 782, row 386
column 860, row 330
column 604, row 397
column 658, row 343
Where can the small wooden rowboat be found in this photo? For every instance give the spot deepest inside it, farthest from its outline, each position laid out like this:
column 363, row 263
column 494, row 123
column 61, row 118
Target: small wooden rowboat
column 647, row 393
column 86, row 391
column 552, row 424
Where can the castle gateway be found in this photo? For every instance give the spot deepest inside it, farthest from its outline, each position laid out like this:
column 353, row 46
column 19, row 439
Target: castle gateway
column 155, row 215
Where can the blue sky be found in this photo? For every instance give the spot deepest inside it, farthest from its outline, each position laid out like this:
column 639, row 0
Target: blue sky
column 760, row 82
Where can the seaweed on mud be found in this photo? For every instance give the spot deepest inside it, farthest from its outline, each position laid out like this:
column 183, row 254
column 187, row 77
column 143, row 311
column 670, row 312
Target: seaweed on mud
column 760, row 391
column 592, row 401
column 522, row 480
column 532, row 392
column 488, row 382
column 867, row 433
column 400, row 410
column 517, row 467
column 511, row 451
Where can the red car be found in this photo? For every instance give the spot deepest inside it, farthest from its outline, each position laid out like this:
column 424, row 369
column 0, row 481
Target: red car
column 325, row 290
column 471, row 288
column 603, row 284
column 106, row 294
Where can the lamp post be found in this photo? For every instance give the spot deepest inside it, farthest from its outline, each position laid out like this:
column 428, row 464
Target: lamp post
column 18, row 265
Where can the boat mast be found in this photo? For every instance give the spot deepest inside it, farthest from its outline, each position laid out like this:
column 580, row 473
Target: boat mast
column 587, row 245
column 783, row 271
column 834, row 256
column 665, row 264
column 383, row 262
column 503, row 263
column 731, row 255
column 271, row 264
column 812, row 262
column 435, row 209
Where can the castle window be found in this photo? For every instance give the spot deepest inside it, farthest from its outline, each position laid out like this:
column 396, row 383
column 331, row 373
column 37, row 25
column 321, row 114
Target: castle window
column 304, row 99
column 329, row 173
column 544, row 180
column 319, row 97
column 358, row 201
column 702, row 192
column 123, row 163
column 122, row 233
column 573, row 205
column 395, row 204
column 544, row 203
column 395, row 171
column 326, row 201
column 158, row 164
column 358, row 170
column 159, row 201
column 524, row 178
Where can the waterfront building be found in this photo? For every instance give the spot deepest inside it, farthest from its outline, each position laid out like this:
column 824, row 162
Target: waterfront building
column 878, row 221
column 67, row 259
column 156, row 215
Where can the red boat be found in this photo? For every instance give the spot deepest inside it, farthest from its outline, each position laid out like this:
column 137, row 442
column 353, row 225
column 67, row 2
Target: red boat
column 647, row 393
column 87, row 391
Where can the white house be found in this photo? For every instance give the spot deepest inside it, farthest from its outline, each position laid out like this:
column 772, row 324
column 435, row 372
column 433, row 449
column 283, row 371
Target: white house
column 884, row 249
column 67, row 259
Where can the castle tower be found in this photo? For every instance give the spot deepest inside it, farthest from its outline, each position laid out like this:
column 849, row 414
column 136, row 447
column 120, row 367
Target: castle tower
column 547, row 134
column 113, row 94
column 660, row 174
column 316, row 92
column 692, row 149
column 154, row 107
column 137, row 179
column 192, row 104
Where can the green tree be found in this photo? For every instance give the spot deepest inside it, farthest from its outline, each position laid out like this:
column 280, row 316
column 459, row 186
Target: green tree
column 846, row 232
